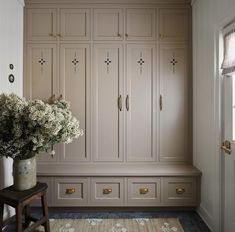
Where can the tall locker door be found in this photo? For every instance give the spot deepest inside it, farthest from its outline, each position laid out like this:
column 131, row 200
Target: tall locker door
column 74, row 87
column 139, row 103
column 41, row 78
column 108, row 103
column 174, row 103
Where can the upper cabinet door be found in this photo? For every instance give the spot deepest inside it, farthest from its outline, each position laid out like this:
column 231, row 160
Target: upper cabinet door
column 108, row 24
column 173, row 24
column 41, row 24
column 140, row 24
column 74, row 24
column 174, row 121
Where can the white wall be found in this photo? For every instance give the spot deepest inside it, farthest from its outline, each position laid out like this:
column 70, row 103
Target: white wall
column 208, row 18
column 11, row 52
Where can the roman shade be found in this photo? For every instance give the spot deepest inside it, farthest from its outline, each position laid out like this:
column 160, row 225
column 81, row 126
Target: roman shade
column 228, row 64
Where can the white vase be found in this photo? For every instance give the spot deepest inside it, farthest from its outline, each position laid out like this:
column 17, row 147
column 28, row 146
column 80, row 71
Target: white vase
column 24, row 174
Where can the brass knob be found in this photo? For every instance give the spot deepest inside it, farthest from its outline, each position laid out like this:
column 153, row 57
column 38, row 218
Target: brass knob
column 161, row 36
column 107, row 191
column 119, row 35
column 70, row 191
column 144, row 190
column 59, row 35
column 126, row 35
column 180, row 190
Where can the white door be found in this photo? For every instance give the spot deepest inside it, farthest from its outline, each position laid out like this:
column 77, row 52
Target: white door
column 229, row 155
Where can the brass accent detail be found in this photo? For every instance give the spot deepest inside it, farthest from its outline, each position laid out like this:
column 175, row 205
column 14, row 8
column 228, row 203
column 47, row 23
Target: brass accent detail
column 226, row 146
column 120, row 102
column 160, row 102
column 119, row 35
column 161, row 36
column 180, row 190
column 143, row 190
column 126, row 35
column 70, row 191
column 59, row 35
column 127, row 102
column 107, row 191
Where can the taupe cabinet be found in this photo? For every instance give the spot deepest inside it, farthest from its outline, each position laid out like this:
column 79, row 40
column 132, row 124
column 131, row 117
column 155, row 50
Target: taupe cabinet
column 125, row 70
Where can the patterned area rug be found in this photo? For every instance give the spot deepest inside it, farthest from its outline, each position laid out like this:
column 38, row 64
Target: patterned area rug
column 115, row 225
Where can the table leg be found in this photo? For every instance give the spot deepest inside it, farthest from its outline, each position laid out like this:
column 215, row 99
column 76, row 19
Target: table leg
column 19, row 218
column 1, row 215
column 27, row 214
column 45, row 212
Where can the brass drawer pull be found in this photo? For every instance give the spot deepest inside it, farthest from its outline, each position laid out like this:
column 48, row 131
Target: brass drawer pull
column 107, row 191
column 180, row 190
column 144, row 190
column 70, row 191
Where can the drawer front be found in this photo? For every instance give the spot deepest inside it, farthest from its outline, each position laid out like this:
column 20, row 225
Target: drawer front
column 71, row 191
column 179, row 191
column 50, row 191
column 107, row 190
column 144, row 191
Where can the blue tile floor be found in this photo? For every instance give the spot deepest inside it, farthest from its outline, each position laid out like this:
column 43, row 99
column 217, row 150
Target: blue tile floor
column 190, row 220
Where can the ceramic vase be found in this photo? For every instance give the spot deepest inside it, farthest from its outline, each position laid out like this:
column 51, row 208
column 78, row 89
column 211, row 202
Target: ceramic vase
column 24, row 174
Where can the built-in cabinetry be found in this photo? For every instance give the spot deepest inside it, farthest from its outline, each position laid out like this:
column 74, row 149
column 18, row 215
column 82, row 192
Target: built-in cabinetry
column 125, row 69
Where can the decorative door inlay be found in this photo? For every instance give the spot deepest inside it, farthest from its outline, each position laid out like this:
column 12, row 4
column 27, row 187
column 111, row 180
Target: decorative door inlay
column 75, row 61
column 174, row 62
column 141, row 62
column 107, row 62
column 41, row 62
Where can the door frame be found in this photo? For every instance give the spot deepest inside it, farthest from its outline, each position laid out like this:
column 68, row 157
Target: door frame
column 219, row 31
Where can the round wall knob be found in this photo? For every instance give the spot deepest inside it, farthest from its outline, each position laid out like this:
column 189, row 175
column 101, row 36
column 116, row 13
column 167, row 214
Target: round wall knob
column 11, row 78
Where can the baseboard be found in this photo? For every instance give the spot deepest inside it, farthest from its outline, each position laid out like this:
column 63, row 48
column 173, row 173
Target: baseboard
column 206, row 217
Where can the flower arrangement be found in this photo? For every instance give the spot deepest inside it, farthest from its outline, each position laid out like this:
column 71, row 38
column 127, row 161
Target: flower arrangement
column 31, row 127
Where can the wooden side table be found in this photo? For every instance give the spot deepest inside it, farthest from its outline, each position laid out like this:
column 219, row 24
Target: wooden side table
column 21, row 200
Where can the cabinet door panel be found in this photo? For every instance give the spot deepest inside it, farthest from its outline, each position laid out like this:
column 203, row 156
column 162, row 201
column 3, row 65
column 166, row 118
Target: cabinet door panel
column 173, row 24
column 140, row 24
column 41, row 24
column 108, row 24
column 140, row 119
column 174, row 114
column 41, row 82
column 108, row 118
column 73, row 66
column 75, row 24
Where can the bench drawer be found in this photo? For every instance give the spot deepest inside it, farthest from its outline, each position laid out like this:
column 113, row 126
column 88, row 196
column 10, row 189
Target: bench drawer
column 144, row 191
column 107, row 190
column 71, row 191
column 179, row 191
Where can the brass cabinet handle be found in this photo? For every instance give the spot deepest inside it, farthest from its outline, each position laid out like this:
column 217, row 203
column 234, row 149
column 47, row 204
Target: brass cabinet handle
column 59, row 35
column 127, row 103
column 119, row 35
column 70, row 191
column 143, row 190
column 160, row 103
column 126, row 35
column 107, row 191
column 161, row 36
column 226, row 146
column 120, row 102
column 180, row 190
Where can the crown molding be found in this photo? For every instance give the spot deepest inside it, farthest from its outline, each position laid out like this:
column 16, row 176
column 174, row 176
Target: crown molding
column 109, row 1
column 21, row 2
